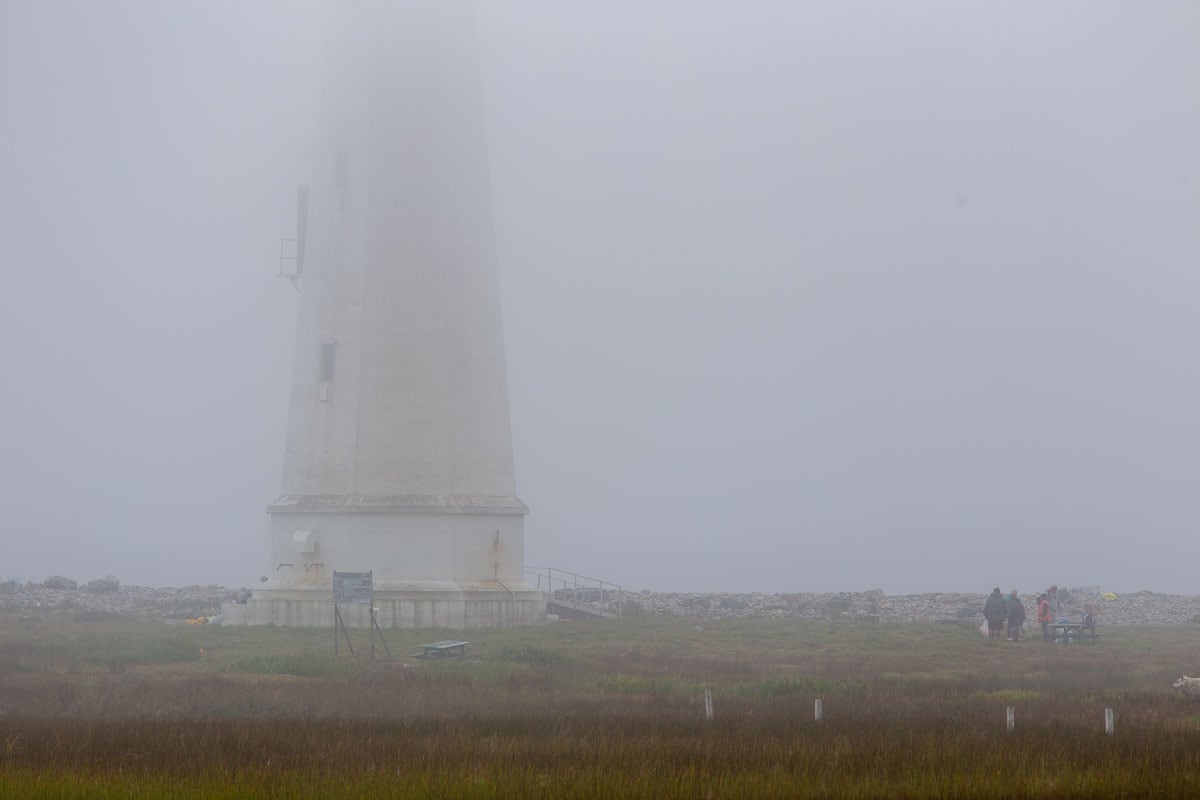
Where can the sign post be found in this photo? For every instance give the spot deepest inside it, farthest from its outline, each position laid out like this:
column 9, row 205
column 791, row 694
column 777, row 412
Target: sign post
column 352, row 588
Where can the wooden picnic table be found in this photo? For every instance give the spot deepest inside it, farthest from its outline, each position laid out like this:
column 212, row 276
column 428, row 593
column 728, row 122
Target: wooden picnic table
column 1073, row 632
column 443, row 649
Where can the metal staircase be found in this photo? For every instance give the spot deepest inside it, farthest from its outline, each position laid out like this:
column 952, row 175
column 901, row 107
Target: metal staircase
column 574, row 596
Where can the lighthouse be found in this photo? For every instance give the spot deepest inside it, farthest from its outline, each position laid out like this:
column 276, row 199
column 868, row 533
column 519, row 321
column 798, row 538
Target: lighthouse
column 399, row 458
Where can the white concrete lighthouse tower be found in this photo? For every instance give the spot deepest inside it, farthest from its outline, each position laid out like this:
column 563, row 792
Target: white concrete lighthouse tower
column 399, row 452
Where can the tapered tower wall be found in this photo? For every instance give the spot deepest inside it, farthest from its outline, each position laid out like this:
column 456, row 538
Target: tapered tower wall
column 399, row 452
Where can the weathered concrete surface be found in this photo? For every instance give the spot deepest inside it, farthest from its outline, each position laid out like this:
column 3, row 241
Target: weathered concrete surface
column 442, row 604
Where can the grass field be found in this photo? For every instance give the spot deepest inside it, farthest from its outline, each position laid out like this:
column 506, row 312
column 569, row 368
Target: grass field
column 601, row 709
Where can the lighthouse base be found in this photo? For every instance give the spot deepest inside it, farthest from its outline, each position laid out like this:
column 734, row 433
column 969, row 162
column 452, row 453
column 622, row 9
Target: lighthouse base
column 402, row 541
column 425, row 604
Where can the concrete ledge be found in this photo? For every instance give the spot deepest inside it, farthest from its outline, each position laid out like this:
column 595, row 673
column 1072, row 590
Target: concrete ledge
column 312, row 607
column 395, row 504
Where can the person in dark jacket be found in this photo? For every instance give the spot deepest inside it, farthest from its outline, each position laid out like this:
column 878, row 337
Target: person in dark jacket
column 995, row 613
column 1016, row 616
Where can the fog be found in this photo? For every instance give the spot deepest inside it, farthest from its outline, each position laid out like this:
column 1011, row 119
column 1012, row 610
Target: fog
column 797, row 296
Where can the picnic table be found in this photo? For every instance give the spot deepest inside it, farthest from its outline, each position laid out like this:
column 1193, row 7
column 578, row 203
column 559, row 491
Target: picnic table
column 1073, row 632
column 443, row 649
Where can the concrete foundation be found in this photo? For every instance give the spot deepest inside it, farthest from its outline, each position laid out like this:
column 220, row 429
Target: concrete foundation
column 434, row 605
column 408, row 544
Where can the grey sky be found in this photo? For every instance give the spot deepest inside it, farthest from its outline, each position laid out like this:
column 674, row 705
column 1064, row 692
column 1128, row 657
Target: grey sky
column 798, row 296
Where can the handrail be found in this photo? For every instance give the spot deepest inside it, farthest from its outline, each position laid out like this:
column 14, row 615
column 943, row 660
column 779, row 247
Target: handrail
column 512, row 596
column 536, row 570
column 560, row 580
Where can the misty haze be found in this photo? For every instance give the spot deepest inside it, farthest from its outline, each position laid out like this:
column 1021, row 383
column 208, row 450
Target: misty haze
column 797, row 297
column 527, row 399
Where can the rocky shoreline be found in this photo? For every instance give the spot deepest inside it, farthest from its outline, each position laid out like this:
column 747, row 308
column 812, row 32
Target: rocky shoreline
column 108, row 599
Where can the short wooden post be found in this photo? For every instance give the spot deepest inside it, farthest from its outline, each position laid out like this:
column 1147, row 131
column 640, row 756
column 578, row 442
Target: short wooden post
column 817, row 710
column 1011, row 718
column 1108, row 721
column 708, row 709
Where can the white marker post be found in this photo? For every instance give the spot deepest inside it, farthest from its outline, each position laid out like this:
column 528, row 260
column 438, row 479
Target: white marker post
column 1012, row 719
column 817, row 710
column 1108, row 721
column 708, row 709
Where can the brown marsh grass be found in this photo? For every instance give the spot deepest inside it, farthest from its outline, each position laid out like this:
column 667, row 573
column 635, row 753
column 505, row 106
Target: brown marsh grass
column 595, row 710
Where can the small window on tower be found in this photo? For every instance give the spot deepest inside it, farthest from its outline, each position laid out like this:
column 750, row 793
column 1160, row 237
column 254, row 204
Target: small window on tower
column 328, row 350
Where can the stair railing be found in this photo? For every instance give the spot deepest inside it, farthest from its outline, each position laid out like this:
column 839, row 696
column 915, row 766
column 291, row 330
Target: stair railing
column 561, row 584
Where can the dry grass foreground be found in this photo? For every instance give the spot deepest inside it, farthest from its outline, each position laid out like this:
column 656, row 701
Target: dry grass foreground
column 603, row 710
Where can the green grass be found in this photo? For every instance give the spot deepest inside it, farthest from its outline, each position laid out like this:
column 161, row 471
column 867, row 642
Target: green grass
column 291, row 664
column 525, row 653
column 113, row 648
column 604, row 710
column 793, row 685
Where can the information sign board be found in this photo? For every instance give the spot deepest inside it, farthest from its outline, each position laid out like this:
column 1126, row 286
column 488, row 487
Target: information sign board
column 352, row 588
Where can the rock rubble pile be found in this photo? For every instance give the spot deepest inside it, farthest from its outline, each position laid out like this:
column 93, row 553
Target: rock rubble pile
column 1142, row 608
column 109, row 599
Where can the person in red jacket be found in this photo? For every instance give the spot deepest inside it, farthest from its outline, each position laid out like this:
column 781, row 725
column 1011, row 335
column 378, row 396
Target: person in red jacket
column 1045, row 617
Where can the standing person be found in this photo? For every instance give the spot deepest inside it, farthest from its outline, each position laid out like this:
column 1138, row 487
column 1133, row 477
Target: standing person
column 1016, row 616
column 1044, row 616
column 1055, row 605
column 995, row 613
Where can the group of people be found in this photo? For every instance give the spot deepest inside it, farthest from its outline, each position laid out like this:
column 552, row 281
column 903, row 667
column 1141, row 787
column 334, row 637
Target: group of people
column 1000, row 609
